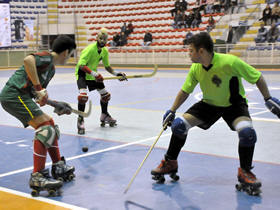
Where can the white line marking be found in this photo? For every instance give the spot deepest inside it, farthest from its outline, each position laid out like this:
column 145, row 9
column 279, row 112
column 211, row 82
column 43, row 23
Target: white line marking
column 46, row 200
column 14, row 142
column 85, row 155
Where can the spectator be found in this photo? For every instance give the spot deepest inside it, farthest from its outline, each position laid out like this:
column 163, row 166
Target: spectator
column 116, row 40
column 123, row 39
column 178, row 20
column 262, row 34
column 177, row 5
column 197, row 19
column 148, row 39
column 230, row 35
column 187, row 39
column 266, row 15
column 130, row 28
column 216, row 6
column 209, row 7
column 123, row 28
column 189, row 19
column 183, row 6
column 211, row 23
column 272, row 34
column 241, row 4
column 275, row 13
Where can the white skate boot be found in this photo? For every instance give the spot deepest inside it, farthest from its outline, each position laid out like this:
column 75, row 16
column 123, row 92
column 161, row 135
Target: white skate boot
column 107, row 119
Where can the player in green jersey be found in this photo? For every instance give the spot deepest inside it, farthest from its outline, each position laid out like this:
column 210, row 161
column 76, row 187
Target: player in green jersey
column 219, row 76
column 17, row 97
column 88, row 78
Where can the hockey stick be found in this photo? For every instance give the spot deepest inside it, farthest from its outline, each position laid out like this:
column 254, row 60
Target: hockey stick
column 78, row 112
column 148, row 153
column 136, row 75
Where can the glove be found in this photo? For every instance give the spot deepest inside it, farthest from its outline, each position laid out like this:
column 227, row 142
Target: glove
column 98, row 77
column 273, row 104
column 168, row 118
column 41, row 95
column 122, row 75
column 62, row 108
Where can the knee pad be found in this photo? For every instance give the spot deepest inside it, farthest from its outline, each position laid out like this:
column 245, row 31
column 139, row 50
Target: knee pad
column 105, row 96
column 82, row 97
column 46, row 133
column 180, row 126
column 247, row 137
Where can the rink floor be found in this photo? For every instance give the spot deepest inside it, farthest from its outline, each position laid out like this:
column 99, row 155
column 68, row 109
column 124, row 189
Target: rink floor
column 207, row 165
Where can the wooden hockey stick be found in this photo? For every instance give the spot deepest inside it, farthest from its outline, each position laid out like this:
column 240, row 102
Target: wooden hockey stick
column 83, row 114
column 136, row 75
column 148, row 153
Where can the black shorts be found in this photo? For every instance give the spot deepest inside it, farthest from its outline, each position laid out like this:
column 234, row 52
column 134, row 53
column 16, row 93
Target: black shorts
column 209, row 114
column 90, row 84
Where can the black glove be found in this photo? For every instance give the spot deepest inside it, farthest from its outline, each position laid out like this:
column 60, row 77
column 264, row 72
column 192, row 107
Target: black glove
column 122, row 75
column 62, row 108
column 168, row 118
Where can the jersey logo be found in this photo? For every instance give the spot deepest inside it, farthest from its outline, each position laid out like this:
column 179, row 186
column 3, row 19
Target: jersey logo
column 216, row 80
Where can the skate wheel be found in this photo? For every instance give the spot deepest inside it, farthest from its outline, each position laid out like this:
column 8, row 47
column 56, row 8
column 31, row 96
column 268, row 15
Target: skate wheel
column 112, row 124
column 102, row 124
column 175, row 177
column 35, row 193
column 60, row 179
column 81, row 132
column 161, row 180
column 238, row 187
column 71, row 177
column 51, row 193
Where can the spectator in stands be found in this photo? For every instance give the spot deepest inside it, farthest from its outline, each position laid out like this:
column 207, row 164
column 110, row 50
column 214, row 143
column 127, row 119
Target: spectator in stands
column 124, row 28
column 130, row 28
column 230, row 34
column 189, row 19
column 187, row 39
column 275, row 13
column 202, row 5
column 183, row 6
column 116, row 40
column 217, row 6
column 241, row 4
column 262, row 34
column 123, row 39
column 197, row 19
column 209, row 7
column 273, row 33
column 233, row 4
column 148, row 39
column 211, row 23
column 266, row 15
column 177, row 5
column 178, row 20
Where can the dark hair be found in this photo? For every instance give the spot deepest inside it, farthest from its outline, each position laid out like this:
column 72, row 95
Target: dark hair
column 202, row 40
column 62, row 43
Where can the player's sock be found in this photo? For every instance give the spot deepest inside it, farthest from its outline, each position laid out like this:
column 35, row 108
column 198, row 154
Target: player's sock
column 175, row 145
column 81, row 107
column 54, row 151
column 104, row 107
column 246, row 157
column 39, row 156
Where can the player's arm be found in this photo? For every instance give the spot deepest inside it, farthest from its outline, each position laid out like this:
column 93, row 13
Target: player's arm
column 31, row 71
column 179, row 100
column 86, row 69
column 111, row 71
column 272, row 103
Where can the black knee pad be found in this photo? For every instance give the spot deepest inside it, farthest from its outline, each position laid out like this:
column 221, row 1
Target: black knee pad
column 247, row 137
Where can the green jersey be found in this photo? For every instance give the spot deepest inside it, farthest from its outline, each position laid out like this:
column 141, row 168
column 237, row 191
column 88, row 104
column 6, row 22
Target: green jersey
column 19, row 83
column 90, row 57
column 216, row 83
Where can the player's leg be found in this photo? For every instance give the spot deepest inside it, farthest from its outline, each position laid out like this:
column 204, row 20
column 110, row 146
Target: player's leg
column 238, row 119
column 105, row 117
column 82, row 99
column 197, row 115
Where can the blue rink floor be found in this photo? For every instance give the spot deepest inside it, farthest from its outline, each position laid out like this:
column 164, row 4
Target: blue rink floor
column 206, row 181
column 207, row 164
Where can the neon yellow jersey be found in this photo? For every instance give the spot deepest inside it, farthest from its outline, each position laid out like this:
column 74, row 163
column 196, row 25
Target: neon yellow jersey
column 216, row 83
column 90, row 57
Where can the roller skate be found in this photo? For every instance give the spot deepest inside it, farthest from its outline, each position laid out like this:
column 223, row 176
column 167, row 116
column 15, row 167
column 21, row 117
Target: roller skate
column 107, row 119
column 165, row 167
column 248, row 182
column 63, row 172
column 41, row 181
column 81, row 125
